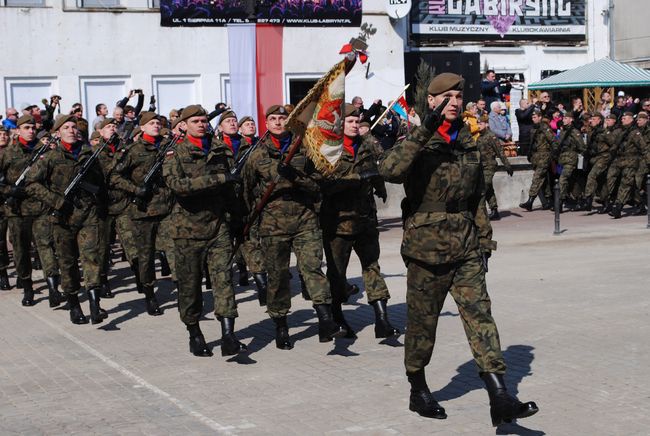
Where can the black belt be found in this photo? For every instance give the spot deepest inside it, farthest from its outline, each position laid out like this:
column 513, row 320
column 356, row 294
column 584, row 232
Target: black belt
column 453, row 206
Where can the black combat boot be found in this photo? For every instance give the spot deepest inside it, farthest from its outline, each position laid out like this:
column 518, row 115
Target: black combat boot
column 198, row 347
column 97, row 314
column 106, row 288
column 503, row 407
column 607, row 207
column 55, row 296
column 616, row 210
column 165, row 270
column 350, row 290
column 150, row 301
column 528, row 205
column 383, row 328
column 640, row 210
column 76, row 314
column 587, row 204
column 303, row 288
column 546, row 203
column 337, row 315
column 494, row 215
column 230, row 345
column 28, row 293
column 262, row 283
column 282, row 333
column 4, row 280
column 135, row 268
column 327, row 328
column 421, row 401
column 243, row 273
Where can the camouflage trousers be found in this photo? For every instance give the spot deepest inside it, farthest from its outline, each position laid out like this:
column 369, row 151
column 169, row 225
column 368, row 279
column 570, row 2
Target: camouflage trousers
column 4, row 252
column 251, row 251
column 427, row 287
column 147, row 229
column 566, row 179
column 308, row 247
column 640, row 181
column 490, row 196
column 542, row 163
column 337, row 253
column 128, row 237
column 165, row 243
column 73, row 243
column 22, row 231
column 190, row 255
column 620, row 180
column 598, row 169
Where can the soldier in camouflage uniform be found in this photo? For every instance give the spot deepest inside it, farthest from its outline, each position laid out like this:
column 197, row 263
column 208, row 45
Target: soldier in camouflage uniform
column 4, row 252
column 349, row 221
column 600, row 142
column 199, row 176
column 289, row 221
column 543, row 146
column 570, row 145
column 153, row 202
column 490, row 148
column 629, row 155
column 447, row 241
column 640, row 195
column 77, row 221
column 27, row 218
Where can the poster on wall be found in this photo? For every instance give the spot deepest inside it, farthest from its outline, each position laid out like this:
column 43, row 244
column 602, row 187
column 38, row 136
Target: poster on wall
column 481, row 20
column 317, row 13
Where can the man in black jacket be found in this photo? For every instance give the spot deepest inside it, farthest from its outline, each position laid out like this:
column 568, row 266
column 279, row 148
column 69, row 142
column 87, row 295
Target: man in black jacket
column 525, row 122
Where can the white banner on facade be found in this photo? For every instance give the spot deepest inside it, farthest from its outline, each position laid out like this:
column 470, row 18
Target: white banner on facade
column 243, row 83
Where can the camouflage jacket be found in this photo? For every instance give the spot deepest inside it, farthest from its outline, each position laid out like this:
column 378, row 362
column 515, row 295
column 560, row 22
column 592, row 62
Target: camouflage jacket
column 445, row 215
column 13, row 161
column 598, row 143
column 293, row 205
column 570, row 145
column 543, row 141
column 129, row 175
column 490, row 148
column 118, row 201
column 197, row 180
column 53, row 174
column 348, row 206
column 630, row 147
column 645, row 131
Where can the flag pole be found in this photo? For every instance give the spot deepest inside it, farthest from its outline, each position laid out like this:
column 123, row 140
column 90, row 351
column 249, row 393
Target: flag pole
column 388, row 108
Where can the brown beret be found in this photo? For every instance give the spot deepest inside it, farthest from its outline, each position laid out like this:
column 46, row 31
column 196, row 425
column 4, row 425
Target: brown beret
column 597, row 114
column 2, row 128
column 276, row 109
column 628, row 114
column 244, row 119
column 364, row 123
column 25, row 119
column 106, row 122
column 95, row 135
column 350, row 111
column 567, row 114
column 61, row 120
column 147, row 116
column 193, row 110
column 227, row 114
column 136, row 131
column 612, row 117
column 446, row 82
column 642, row 115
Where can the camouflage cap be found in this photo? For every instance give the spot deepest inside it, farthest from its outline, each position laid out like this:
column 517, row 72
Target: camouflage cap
column 276, row 109
column 95, row 135
column 25, row 119
column 193, row 110
column 244, row 119
column 642, row 115
column 364, row 124
column 227, row 114
column 147, row 116
column 106, row 122
column 628, row 114
column 351, row 111
column 445, row 82
column 61, row 120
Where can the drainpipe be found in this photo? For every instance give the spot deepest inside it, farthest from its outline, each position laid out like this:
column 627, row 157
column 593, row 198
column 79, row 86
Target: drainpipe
column 610, row 23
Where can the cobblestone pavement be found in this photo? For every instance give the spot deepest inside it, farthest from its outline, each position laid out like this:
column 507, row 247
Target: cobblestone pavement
column 572, row 310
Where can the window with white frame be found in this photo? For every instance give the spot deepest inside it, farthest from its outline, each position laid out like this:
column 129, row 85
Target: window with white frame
column 21, row 92
column 23, row 3
column 175, row 92
column 102, row 89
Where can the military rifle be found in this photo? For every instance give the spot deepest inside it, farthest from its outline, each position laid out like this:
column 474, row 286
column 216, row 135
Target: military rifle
column 150, row 177
column 13, row 202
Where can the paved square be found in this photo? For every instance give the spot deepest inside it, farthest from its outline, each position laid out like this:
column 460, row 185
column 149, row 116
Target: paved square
column 573, row 313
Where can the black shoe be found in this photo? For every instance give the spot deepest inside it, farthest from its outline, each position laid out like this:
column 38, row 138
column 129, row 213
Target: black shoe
column 198, row 347
column 383, row 328
column 303, row 288
column 607, row 207
column 616, row 210
column 337, row 315
column 135, row 267
column 4, row 280
column 262, row 283
column 640, row 210
column 327, row 328
column 106, row 288
column 97, row 314
column 151, row 302
column 165, row 270
column 503, row 407
column 350, row 290
column 230, row 345
column 423, row 403
column 28, row 293
column 55, row 296
column 494, row 215
column 546, row 203
column 243, row 274
column 282, row 333
column 587, row 204
column 528, row 205
column 76, row 314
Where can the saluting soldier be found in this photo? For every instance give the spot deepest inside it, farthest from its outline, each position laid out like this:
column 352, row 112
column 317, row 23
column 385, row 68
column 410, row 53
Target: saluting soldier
column 78, row 222
column 199, row 176
column 447, row 241
column 289, row 221
column 27, row 218
column 349, row 221
column 571, row 144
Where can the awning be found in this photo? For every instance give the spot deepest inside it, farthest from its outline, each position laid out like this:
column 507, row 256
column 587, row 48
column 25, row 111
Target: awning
column 604, row 73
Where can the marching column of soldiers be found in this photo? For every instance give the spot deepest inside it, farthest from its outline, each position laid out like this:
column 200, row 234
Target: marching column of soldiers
column 185, row 192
